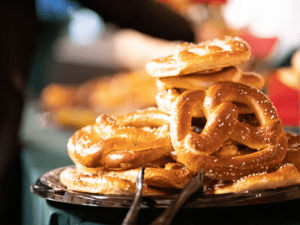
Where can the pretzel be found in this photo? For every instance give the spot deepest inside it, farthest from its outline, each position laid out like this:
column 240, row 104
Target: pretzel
column 195, row 150
column 95, row 184
column 286, row 175
column 166, row 98
column 254, row 137
column 88, row 148
column 169, row 88
column 105, row 184
column 115, row 145
column 210, row 55
column 200, row 80
column 149, row 144
column 170, row 176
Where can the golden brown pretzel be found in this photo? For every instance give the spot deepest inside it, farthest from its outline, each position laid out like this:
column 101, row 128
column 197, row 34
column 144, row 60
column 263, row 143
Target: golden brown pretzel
column 88, row 148
column 195, row 150
column 169, row 88
column 200, row 80
column 190, row 58
column 91, row 145
column 190, row 146
column 166, row 98
column 105, row 183
column 95, row 184
column 254, row 137
column 286, row 175
column 137, row 156
column 149, row 144
column 172, row 176
column 252, row 79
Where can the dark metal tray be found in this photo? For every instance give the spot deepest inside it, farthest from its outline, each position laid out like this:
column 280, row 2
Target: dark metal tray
column 49, row 187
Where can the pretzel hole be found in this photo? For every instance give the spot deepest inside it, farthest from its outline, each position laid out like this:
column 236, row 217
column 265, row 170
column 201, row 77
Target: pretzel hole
column 198, row 124
column 249, row 119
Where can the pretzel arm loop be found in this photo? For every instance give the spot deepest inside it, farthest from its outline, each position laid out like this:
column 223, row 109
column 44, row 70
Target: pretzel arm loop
column 190, row 146
column 148, row 144
column 255, row 137
column 138, row 155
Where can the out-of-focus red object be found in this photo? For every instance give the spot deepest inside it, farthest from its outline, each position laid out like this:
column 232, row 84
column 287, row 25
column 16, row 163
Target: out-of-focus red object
column 261, row 47
column 283, row 91
column 182, row 5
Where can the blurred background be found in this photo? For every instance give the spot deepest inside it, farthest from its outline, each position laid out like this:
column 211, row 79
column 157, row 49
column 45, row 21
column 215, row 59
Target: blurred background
column 77, row 46
column 85, row 65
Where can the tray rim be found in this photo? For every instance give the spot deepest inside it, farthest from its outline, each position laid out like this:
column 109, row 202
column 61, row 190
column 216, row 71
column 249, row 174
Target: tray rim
column 57, row 192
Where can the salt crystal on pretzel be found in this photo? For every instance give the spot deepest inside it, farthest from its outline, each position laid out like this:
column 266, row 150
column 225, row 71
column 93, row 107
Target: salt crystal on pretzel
column 210, row 55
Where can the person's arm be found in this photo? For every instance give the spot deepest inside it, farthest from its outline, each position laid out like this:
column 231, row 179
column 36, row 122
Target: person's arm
column 147, row 16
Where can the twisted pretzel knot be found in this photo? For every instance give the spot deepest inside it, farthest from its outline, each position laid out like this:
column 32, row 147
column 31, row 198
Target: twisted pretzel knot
column 196, row 151
column 116, row 145
column 209, row 55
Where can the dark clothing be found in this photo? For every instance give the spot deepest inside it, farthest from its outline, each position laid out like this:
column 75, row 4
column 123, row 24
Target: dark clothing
column 17, row 39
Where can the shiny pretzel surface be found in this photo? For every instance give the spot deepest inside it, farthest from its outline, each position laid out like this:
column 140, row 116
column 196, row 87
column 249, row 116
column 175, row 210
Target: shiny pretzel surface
column 116, row 145
column 210, row 55
column 195, row 150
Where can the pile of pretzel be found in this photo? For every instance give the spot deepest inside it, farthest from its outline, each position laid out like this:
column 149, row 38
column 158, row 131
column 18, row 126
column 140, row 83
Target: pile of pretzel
column 210, row 115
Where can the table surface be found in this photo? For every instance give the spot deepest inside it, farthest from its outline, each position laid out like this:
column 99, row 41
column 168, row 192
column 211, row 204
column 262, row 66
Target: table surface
column 45, row 150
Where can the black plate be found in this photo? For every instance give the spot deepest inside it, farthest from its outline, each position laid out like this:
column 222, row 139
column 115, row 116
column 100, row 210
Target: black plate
column 49, row 187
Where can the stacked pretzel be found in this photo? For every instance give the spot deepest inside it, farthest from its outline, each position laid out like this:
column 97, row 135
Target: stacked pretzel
column 211, row 115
